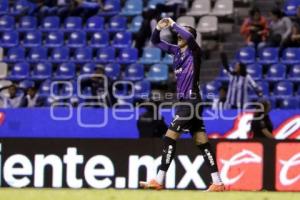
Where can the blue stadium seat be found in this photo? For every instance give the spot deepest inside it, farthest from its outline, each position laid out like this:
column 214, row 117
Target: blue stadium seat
column 15, row 54
column 294, row 74
column 54, row 39
column 142, row 89
column 32, row 39
column 135, row 24
column 37, row 54
column 132, row 7
column 4, row 7
column 223, row 76
column 112, row 70
column 99, row 39
column 158, row 73
column 167, row 59
column 211, row 90
column 291, row 56
column 9, row 39
column 290, row 7
column 128, row 55
column 21, row 7
column 111, row 7
column 65, row 71
column 73, row 24
column 255, row 71
column 45, row 88
column 83, row 54
column 134, row 72
column 25, row 84
column 152, row 3
column 276, row 72
column 42, row 71
column 122, row 39
column 88, row 68
column 105, row 55
column 60, row 54
column 264, row 87
column 117, row 23
column 150, row 56
column 68, row 90
column 288, row 103
column 246, row 55
column 27, row 23
column 123, row 90
column 19, row 71
column 95, row 23
column 7, row 22
column 283, row 89
column 50, row 23
column 76, row 39
column 268, row 56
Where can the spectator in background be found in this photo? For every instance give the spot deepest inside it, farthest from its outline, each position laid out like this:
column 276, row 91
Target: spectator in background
column 150, row 18
column 219, row 103
column 261, row 125
column 280, row 28
column 293, row 39
column 99, row 88
column 32, row 98
column 11, row 99
column 255, row 29
column 297, row 18
column 239, row 81
column 150, row 123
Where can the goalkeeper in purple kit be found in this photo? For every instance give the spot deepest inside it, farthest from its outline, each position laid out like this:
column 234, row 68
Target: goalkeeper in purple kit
column 187, row 60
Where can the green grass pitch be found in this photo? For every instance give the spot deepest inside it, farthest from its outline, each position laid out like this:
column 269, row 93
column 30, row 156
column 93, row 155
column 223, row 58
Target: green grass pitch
column 111, row 194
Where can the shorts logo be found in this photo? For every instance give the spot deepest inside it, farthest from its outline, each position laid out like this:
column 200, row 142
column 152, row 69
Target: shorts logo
column 240, row 164
column 288, row 166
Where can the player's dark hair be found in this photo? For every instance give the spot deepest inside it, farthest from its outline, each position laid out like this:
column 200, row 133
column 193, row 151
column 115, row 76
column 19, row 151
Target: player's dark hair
column 192, row 31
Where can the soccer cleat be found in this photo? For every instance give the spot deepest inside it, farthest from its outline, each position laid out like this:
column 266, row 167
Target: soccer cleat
column 216, row 188
column 153, row 184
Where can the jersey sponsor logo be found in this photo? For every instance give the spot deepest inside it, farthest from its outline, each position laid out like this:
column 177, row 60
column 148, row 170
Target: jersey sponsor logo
column 288, row 167
column 178, row 71
column 240, row 164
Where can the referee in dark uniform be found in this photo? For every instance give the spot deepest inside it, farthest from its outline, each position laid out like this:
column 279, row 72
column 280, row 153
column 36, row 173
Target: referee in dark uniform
column 261, row 125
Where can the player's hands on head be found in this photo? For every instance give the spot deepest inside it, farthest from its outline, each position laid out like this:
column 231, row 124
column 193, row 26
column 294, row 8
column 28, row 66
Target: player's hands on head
column 164, row 23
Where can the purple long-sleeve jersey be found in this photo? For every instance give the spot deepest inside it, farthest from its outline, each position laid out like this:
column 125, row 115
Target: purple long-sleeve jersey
column 186, row 64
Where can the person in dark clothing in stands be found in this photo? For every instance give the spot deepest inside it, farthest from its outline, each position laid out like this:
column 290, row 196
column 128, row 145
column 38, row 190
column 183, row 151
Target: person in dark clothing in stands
column 98, row 88
column 150, row 123
column 261, row 125
column 297, row 18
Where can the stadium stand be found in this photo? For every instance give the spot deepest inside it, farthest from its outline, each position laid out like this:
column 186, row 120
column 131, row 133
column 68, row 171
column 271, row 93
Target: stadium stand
column 41, row 50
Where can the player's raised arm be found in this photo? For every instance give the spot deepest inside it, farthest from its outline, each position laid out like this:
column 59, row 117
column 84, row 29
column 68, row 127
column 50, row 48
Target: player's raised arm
column 184, row 34
column 163, row 45
column 224, row 60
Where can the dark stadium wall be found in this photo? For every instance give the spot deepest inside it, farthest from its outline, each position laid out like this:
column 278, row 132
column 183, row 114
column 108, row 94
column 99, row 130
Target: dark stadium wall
column 104, row 163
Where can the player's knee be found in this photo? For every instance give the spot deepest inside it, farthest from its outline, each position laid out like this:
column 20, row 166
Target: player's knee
column 172, row 134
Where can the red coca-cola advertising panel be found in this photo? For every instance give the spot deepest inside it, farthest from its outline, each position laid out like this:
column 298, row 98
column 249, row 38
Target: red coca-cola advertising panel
column 288, row 167
column 241, row 165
